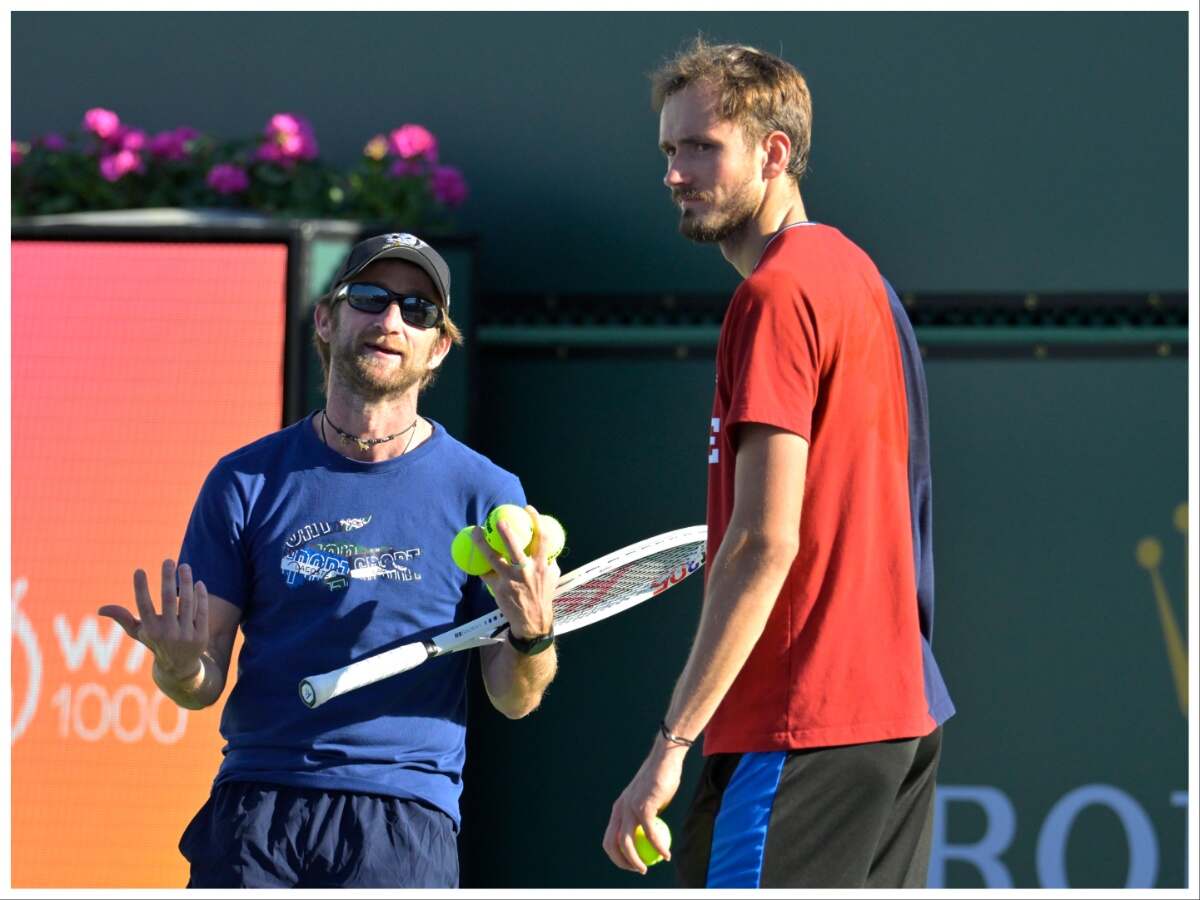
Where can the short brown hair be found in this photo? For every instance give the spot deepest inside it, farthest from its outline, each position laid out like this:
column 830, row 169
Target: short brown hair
column 446, row 327
column 758, row 91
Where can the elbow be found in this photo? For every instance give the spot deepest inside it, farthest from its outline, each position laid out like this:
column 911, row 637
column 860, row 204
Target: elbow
column 517, row 707
column 773, row 549
column 520, row 712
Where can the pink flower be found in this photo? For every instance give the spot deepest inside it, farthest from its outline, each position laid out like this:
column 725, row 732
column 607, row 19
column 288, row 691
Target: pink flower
column 116, row 166
column 289, row 137
column 18, row 153
column 227, row 179
column 291, row 145
column 285, row 123
column 409, row 141
column 101, row 122
column 132, row 139
column 403, row 168
column 54, row 142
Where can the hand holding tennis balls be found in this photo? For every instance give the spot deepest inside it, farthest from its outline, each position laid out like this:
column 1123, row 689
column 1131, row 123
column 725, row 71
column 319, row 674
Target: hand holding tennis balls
column 549, row 531
column 645, row 850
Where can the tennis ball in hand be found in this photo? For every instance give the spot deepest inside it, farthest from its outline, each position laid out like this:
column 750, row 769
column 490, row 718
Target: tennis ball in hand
column 550, row 531
column 519, row 523
column 467, row 556
column 645, row 850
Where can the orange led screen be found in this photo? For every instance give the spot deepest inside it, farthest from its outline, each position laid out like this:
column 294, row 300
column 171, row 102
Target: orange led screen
column 135, row 366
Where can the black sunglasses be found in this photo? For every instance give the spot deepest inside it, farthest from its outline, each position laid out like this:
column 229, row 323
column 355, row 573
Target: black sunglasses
column 374, row 299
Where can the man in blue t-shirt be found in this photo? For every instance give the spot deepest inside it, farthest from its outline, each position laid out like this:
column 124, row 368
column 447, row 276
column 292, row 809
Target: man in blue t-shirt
column 326, row 542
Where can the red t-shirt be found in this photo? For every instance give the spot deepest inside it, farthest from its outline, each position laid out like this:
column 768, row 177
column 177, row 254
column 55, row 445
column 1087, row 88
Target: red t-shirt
column 808, row 345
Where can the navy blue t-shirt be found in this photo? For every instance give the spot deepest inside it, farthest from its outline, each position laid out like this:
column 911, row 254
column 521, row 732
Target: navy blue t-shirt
column 331, row 560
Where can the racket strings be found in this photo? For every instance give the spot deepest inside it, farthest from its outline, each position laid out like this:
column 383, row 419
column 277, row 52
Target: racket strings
column 634, row 578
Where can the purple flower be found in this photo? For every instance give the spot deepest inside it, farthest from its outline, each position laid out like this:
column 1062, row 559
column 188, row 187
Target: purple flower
column 54, row 142
column 116, row 166
column 409, row 141
column 227, row 179
column 403, row 168
column 167, row 145
column 288, row 138
column 269, row 153
column 448, row 185
column 172, row 145
column 18, row 153
column 101, row 122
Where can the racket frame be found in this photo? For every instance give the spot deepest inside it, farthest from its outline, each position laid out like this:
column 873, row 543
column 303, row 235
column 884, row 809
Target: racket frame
column 490, row 628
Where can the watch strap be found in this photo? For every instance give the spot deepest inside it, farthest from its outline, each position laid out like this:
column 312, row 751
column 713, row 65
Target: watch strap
column 531, row 646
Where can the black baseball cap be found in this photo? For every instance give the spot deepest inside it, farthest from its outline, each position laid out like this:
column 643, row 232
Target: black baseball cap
column 398, row 245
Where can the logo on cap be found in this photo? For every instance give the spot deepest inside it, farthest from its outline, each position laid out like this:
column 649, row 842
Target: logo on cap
column 405, row 239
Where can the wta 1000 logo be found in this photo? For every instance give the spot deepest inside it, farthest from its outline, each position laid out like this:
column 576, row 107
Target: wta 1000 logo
column 88, row 710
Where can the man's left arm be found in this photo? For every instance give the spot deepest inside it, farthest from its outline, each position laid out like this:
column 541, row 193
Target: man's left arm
column 744, row 580
column 524, row 591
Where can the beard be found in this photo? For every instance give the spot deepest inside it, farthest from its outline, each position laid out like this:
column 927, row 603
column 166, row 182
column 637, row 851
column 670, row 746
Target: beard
column 720, row 222
column 368, row 379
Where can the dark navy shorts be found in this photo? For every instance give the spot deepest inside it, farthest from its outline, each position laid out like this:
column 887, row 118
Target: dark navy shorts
column 857, row 816
column 251, row 835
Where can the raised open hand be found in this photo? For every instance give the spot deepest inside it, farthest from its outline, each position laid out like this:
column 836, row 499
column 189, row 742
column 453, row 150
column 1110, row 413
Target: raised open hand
column 177, row 635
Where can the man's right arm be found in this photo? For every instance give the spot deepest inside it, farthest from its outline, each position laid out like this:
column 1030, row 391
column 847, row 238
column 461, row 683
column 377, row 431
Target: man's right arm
column 191, row 638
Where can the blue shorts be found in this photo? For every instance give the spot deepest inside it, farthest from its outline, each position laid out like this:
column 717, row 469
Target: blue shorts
column 251, row 835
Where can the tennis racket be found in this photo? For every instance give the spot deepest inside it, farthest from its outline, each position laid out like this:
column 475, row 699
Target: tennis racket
column 603, row 588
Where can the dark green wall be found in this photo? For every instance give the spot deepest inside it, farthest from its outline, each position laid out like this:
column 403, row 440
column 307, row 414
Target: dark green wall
column 974, row 152
column 1047, row 474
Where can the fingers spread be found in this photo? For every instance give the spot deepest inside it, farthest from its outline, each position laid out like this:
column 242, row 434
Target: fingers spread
column 141, row 595
column 170, row 605
column 202, row 612
column 187, row 602
column 122, row 617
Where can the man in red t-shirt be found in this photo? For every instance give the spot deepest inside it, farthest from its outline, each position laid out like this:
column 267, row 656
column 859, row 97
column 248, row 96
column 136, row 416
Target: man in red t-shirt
column 812, row 674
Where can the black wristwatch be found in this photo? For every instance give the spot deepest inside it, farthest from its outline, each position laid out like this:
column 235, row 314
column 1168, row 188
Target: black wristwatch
column 531, row 646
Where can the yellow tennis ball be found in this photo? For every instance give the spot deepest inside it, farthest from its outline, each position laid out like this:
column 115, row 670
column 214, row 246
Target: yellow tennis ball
column 550, row 531
column 467, row 556
column 645, row 850
column 518, row 522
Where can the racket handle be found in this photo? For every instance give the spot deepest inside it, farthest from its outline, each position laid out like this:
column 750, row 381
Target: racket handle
column 317, row 689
